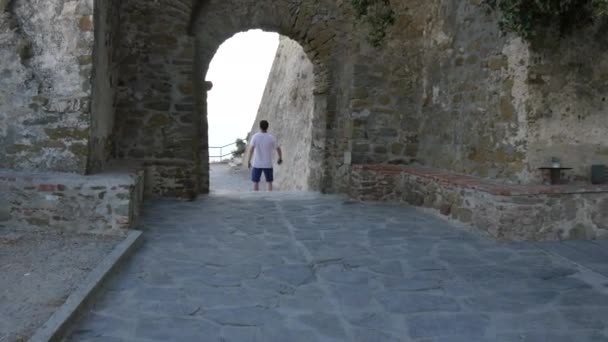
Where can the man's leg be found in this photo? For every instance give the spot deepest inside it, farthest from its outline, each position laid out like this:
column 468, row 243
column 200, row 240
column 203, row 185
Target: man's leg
column 256, row 175
column 269, row 176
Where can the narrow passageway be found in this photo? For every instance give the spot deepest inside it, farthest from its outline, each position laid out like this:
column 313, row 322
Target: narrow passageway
column 243, row 266
column 227, row 178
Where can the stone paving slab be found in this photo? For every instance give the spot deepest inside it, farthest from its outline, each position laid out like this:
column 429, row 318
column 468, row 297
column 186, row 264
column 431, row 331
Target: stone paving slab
column 589, row 254
column 309, row 267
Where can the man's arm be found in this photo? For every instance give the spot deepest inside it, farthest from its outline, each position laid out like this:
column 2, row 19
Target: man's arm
column 280, row 155
column 251, row 149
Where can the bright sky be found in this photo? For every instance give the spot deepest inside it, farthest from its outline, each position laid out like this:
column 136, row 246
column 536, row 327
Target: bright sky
column 239, row 72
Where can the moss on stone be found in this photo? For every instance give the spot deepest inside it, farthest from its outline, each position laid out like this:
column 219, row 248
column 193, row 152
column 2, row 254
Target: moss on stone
column 18, row 148
column 79, row 149
column 158, row 120
column 580, row 232
column 507, row 111
column 397, row 148
column 61, row 133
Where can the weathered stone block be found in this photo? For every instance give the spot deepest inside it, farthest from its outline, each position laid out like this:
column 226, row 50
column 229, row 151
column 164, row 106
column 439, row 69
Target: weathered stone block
column 86, row 23
column 581, row 232
column 67, row 133
column 104, row 204
column 497, row 62
column 600, row 214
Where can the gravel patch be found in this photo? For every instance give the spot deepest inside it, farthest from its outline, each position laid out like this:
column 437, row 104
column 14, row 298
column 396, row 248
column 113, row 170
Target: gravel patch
column 38, row 271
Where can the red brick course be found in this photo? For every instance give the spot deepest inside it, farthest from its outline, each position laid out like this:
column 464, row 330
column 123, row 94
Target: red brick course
column 485, row 185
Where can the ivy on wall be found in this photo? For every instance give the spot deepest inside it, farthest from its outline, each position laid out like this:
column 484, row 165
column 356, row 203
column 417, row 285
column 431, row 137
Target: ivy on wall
column 378, row 14
column 529, row 18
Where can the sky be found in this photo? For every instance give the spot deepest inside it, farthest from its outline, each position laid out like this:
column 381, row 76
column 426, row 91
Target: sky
column 239, row 72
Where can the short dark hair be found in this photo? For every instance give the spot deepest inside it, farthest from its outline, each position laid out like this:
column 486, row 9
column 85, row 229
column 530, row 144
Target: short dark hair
column 264, row 125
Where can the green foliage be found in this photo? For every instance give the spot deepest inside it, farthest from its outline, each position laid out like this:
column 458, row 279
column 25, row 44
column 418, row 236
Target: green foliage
column 601, row 8
column 529, row 18
column 241, row 146
column 378, row 14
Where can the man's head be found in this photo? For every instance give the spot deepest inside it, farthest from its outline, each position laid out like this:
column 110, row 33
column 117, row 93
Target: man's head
column 264, row 125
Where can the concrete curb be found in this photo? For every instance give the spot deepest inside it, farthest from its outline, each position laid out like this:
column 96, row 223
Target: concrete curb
column 56, row 327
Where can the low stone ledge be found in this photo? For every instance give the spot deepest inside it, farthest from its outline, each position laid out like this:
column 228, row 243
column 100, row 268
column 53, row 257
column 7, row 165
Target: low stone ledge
column 175, row 178
column 504, row 211
column 481, row 184
column 106, row 203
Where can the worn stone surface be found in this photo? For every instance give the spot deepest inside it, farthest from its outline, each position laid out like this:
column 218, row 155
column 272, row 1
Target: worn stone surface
column 288, row 104
column 104, row 82
column 45, row 88
column 465, row 98
column 156, row 122
column 307, row 267
column 155, row 118
column 509, row 212
column 103, row 204
column 170, row 179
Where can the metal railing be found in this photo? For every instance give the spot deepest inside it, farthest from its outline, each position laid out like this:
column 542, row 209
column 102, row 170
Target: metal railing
column 221, row 155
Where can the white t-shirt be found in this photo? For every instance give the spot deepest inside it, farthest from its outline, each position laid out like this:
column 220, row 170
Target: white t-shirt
column 264, row 146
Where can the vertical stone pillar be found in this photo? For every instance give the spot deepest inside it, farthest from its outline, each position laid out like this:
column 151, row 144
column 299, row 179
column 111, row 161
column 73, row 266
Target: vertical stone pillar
column 156, row 118
column 103, row 82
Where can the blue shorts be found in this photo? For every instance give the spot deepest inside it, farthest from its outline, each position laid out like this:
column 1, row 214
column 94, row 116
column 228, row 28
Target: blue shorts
column 256, row 175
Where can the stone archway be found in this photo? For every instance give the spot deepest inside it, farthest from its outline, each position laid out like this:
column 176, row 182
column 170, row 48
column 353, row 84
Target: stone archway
column 161, row 89
column 297, row 116
column 214, row 22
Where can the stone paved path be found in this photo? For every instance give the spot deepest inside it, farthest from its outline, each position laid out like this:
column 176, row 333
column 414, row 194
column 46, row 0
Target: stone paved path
column 224, row 178
column 307, row 267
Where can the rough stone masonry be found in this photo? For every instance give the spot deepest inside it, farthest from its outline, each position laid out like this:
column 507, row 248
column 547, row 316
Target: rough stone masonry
column 86, row 85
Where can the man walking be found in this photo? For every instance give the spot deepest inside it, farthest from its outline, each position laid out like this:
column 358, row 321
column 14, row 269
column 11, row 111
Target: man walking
column 262, row 147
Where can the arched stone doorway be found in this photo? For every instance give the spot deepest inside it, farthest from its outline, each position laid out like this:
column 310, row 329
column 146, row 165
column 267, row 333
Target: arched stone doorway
column 214, row 22
column 161, row 105
column 283, row 95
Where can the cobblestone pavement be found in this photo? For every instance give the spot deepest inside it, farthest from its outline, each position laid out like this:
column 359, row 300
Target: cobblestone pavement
column 308, row 267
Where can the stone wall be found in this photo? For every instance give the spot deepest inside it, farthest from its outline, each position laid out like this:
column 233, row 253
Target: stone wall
column 155, row 118
column 449, row 90
column 382, row 124
column 468, row 121
column 567, row 102
column 45, row 88
column 504, row 212
column 170, row 180
column 288, row 104
column 107, row 32
column 500, row 108
column 106, row 203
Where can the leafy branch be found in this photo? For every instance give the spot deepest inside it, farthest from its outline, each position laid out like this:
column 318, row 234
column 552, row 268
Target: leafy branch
column 528, row 18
